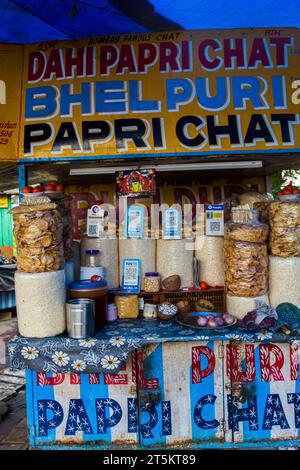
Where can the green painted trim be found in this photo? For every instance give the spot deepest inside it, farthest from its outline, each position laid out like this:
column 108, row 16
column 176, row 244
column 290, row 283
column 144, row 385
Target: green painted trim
column 6, row 226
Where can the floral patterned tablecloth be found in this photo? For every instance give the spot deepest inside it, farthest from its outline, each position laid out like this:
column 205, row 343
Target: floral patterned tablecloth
column 109, row 348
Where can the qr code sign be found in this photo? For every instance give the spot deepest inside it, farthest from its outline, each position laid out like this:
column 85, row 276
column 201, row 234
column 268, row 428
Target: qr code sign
column 215, row 226
column 131, row 273
column 93, row 229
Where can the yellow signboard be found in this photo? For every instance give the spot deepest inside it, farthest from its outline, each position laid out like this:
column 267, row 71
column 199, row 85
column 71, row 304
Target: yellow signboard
column 3, row 202
column 10, row 100
column 185, row 93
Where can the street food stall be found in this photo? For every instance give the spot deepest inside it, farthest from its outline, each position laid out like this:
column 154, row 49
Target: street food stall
column 7, row 261
column 157, row 291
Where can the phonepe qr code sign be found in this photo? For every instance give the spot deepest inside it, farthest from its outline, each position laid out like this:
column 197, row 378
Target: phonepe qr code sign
column 131, row 272
column 94, row 228
column 214, row 216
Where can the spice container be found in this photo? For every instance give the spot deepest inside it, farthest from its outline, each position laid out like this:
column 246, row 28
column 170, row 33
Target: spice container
column 80, row 318
column 150, row 312
column 141, row 304
column 92, row 258
column 92, row 290
column 152, row 282
column 111, row 313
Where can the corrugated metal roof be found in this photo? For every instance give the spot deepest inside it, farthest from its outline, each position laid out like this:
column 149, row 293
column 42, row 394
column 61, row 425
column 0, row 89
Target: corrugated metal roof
column 27, row 21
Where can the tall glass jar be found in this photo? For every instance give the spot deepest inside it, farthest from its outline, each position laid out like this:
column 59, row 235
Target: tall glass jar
column 92, row 258
column 152, row 282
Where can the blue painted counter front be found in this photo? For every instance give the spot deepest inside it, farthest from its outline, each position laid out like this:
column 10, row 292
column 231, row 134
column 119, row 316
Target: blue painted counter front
column 194, row 389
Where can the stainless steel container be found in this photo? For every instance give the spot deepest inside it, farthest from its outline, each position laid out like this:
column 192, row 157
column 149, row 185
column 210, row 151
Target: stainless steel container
column 80, row 318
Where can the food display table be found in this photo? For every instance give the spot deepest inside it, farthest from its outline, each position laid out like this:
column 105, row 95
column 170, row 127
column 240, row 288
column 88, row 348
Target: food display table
column 158, row 385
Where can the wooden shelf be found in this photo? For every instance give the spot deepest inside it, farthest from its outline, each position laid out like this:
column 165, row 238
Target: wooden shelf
column 164, row 291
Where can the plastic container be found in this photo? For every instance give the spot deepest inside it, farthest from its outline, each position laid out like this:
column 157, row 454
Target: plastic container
column 92, row 290
column 141, row 303
column 150, row 311
column 40, row 302
column 152, row 282
column 86, row 272
column 92, row 258
column 111, row 313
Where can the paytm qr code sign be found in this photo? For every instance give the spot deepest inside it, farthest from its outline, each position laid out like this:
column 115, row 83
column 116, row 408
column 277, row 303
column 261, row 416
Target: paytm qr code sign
column 214, row 216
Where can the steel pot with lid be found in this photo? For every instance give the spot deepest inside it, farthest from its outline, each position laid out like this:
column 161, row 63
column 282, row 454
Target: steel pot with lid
column 80, row 318
column 96, row 291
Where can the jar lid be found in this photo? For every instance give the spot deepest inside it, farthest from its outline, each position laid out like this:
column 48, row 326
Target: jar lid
column 92, row 252
column 86, row 284
column 111, row 306
column 151, row 274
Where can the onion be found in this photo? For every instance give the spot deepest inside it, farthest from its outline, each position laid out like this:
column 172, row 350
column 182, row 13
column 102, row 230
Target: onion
column 202, row 321
column 212, row 323
column 219, row 321
column 228, row 319
column 210, row 317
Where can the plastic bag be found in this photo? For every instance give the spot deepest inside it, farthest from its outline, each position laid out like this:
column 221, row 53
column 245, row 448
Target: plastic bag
column 246, row 268
column 263, row 208
column 285, row 242
column 39, row 237
column 285, row 214
column 63, row 207
column 252, row 232
column 176, row 257
column 250, row 197
column 240, row 306
column 127, row 305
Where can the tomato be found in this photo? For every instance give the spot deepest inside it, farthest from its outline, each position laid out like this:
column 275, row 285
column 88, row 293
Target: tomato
column 37, row 189
column 54, row 182
column 296, row 191
column 203, row 285
column 59, row 187
column 289, row 187
column 95, row 278
column 42, row 187
column 280, row 193
column 27, row 189
column 287, row 191
column 50, row 187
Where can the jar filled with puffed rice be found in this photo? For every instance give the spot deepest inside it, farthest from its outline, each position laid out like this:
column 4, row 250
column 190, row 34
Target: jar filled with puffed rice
column 152, row 282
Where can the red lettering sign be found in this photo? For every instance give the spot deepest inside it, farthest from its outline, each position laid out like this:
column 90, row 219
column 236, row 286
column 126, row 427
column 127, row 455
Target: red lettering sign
column 197, row 373
column 270, row 370
column 232, row 363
